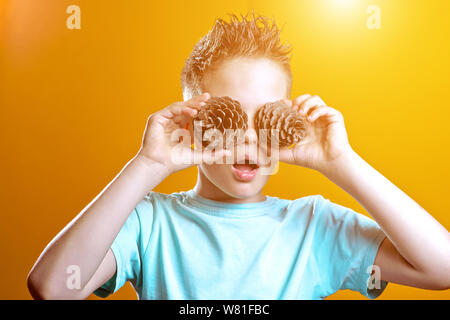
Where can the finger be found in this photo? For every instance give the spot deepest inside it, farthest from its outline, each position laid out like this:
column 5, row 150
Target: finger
column 156, row 118
column 190, row 112
column 201, row 97
column 300, row 99
column 330, row 113
column 186, row 117
column 195, row 105
column 198, row 101
column 175, row 110
column 312, row 101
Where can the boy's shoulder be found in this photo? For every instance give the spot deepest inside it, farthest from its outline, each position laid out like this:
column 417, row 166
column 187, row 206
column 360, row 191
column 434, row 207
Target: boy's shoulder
column 155, row 196
column 161, row 198
column 311, row 199
column 160, row 195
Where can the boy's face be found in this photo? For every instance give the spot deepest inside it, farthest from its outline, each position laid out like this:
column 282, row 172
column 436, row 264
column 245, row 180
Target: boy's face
column 253, row 82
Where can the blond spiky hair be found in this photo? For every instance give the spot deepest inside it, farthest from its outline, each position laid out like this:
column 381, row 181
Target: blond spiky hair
column 234, row 39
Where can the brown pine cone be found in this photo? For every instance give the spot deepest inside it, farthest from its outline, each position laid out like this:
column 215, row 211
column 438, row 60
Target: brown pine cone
column 278, row 115
column 221, row 113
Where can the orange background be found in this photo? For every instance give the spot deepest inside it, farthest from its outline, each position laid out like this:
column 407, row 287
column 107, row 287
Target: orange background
column 74, row 103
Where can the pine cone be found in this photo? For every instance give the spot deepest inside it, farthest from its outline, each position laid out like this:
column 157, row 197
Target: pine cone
column 221, row 113
column 278, row 115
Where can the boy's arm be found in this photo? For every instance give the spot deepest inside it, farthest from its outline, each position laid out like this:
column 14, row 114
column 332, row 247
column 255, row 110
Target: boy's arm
column 416, row 251
column 84, row 244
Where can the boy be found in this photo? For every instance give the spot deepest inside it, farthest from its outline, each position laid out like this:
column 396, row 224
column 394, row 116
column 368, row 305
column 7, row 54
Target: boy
column 224, row 239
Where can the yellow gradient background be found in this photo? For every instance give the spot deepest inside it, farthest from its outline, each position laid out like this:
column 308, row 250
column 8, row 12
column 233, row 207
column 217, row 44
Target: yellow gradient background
column 73, row 104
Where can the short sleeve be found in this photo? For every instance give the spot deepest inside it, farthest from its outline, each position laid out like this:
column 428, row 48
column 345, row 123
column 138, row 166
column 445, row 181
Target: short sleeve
column 347, row 243
column 128, row 248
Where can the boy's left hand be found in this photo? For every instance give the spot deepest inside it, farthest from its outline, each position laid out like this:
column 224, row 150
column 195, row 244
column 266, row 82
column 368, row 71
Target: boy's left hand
column 326, row 137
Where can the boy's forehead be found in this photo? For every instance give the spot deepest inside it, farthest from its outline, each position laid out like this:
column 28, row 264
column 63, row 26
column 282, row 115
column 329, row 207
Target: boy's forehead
column 253, row 82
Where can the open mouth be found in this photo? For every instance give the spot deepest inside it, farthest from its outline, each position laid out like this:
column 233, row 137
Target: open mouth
column 245, row 167
column 245, row 171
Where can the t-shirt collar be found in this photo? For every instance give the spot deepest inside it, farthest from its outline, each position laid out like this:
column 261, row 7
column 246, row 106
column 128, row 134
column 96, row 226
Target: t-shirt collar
column 227, row 209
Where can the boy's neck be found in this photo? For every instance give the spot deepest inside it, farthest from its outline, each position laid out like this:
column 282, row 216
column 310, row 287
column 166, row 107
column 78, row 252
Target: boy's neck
column 208, row 190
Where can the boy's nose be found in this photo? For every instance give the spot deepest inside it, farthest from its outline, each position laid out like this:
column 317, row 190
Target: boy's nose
column 251, row 136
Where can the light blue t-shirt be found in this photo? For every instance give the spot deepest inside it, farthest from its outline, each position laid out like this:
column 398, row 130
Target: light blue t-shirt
column 184, row 246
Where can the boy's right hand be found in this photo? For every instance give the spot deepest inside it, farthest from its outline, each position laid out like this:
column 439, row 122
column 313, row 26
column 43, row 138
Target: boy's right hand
column 158, row 145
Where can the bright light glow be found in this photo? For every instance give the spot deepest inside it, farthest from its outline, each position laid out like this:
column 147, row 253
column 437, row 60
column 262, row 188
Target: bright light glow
column 343, row 2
